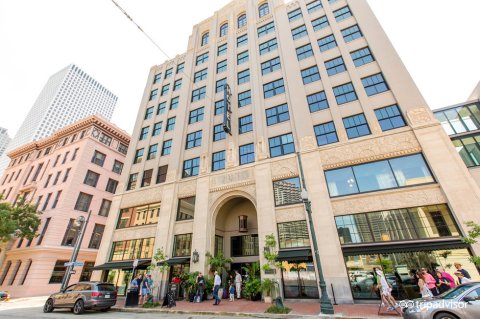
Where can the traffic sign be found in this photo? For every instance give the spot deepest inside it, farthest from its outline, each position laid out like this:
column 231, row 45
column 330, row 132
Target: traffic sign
column 135, row 263
column 68, row 264
column 78, row 264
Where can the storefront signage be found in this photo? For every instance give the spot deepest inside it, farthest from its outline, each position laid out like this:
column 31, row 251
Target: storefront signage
column 227, row 115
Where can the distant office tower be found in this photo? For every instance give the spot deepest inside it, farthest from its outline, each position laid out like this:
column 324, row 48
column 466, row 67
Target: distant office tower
column 69, row 95
column 4, row 140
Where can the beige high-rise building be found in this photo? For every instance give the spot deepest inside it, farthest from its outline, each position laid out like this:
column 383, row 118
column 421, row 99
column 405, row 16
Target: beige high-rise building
column 319, row 78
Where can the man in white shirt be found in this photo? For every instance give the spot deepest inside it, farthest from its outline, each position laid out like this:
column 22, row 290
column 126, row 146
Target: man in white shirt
column 217, row 281
column 238, row 283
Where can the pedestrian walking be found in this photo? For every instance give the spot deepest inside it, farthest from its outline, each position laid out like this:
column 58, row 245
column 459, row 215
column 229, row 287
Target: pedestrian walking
column 238, row 283
column 200, row 288
column 385, row 290
column 145, row 290
column 217, row 281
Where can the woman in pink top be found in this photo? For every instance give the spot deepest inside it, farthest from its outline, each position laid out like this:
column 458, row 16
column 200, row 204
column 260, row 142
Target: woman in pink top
column 430, row 281
column 448, row 277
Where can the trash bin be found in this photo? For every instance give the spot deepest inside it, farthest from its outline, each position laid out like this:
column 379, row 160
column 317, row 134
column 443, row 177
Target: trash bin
column 132, row 298
column 174, row 289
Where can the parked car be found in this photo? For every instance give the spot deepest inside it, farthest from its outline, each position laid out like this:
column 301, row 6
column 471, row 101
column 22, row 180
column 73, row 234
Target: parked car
column 83, row 296
column 4, row 296
column 462, row 302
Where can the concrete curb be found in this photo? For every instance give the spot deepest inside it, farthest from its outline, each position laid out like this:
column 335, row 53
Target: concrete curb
column 245, row 314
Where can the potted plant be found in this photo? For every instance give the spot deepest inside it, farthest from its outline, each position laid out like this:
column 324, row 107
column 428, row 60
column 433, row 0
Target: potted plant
column 252, row 289
column 267, row 287
column 208, row 293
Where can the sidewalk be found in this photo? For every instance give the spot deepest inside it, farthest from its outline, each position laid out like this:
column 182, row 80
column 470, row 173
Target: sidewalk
column 243, row 307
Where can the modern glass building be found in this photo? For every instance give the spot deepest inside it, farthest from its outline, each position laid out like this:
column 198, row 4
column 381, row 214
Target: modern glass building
column 214, row 170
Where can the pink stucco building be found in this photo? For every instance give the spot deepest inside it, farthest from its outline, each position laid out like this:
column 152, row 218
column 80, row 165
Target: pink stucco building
column 68, row 174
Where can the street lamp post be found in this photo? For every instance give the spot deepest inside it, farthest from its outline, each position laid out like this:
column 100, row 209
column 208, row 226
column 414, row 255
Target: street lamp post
column 326, row 306
column 76, row 250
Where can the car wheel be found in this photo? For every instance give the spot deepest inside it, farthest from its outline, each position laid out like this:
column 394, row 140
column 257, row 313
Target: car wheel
column 78, row 308
column 105, row 309
column 445, row 315
column 48, row 307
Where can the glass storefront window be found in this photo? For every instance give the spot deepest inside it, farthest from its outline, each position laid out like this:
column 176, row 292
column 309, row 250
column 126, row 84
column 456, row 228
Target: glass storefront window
column 137, row 216
column 244, row 245
column 399, row 224
column 299, row 280
column 375, row 176
column 398, row 268
column 293, row 234
column 182, row 245
column 132, row 249
column 218, row 245
column 287, row 191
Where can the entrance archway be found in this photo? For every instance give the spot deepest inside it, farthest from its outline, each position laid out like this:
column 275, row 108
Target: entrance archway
column 236, row 231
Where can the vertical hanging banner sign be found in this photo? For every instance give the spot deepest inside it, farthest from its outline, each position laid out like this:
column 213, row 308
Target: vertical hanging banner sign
column 227, row 114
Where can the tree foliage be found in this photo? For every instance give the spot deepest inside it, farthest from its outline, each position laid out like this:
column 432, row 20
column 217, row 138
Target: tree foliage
column 21, row 220
column 471, row 239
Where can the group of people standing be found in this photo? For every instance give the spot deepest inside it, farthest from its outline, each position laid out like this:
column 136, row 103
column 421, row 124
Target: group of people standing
column 235, row 285
column 146, row 285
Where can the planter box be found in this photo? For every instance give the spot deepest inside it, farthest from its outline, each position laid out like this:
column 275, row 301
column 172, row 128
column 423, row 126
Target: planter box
column 267, row 299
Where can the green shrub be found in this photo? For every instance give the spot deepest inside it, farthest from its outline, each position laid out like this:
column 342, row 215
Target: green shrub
column 151, row 304
column 275, row 309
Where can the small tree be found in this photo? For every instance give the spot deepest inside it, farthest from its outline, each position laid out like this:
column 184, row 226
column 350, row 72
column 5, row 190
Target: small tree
column 270, row 253
column 218, row 262
column 18, row 221
column 471, row 239
column 160, row 261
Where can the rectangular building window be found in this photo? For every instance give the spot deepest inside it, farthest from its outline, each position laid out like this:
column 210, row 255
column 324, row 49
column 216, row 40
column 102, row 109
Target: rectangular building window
column 191, row 167
column 219, row 85
column 193, row 140
column 246, row 245
column 270, row 65
column 105, row 208
column 132, row 249
column 39, row 168
column 153, row 94
column 97, row 235
column 45, row 205
column 314, row 6
column 327, row 43
column 317, row 101
column 117, row 167
column 247, row 153
column 335, row 66
column 345, row 93
column 277, row 114
column 244, row 98
column 245, row 124
column 44, row 231
column 46, row 182
column 157, row 78
column 147, row 178
column 55, row 181
column 218, row 161
column 186, row 208
column 180, row 67
column 304, row 52
column 325, row 133
column 132, row 181
column 83, row 202
column 111, row 186
column 199, row 94
column 162, row 174
column 57, row 198
column 157, row 128
column 273, row 88
column 356, row 126
column 105, row 139
column 281, row 145
column 243, row 76
column 138, row 156
column 218, row 132
column 162, row 107
column 351, row 33
column 74, row 155
column 293, row 234
column 362, row 56
column 182, row 245
column 25, row 272
column 299, row 32
column 58, row 272
column 295, row 14
column 390, row 117
column 122, row 148
column 268, row 46
column 152, row 151
column 54, row 164
column 266, row 29
column 166, row 147
column 87, row 271
column 287, row 191
column 201, row 58
column 177, row 85
column 200, row 75
column 222, row 49
column 144, row 133
column 222, row 66
column 148, row 113
column 98, row 158
column 242, row 40
column 73, row 231
column 170, row 124
column 196, row 115
column 342, row 13
column 374, row 84
column 242, row 57
column 320, row 23
column 168, row 73
column 174, row 103
column 310, row 75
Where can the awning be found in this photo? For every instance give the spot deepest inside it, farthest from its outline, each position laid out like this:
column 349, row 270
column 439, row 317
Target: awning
column 402, row 247
column 142, row 264
column 295, row 255
column 176, row 261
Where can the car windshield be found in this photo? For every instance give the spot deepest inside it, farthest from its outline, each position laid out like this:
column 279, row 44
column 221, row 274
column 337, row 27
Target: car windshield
column 105, row 287
column 452, row 294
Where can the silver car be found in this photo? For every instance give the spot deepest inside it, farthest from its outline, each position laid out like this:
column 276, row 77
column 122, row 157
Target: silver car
column 462, row 302
column 82, row 296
